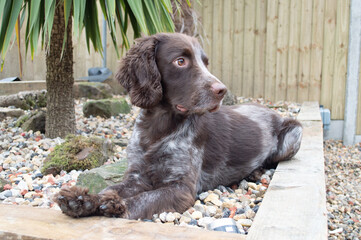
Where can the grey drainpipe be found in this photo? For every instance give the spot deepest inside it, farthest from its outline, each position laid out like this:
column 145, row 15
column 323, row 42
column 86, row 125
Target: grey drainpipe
column 104, row 42
column 353, row 64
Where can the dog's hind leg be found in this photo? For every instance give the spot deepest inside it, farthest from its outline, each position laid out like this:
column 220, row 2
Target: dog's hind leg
column 289, row 141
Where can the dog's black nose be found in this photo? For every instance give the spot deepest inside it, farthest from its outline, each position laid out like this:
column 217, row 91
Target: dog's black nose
column 219, row 89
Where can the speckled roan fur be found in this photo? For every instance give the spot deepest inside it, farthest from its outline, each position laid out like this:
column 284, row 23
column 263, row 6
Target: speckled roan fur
column 174, row 154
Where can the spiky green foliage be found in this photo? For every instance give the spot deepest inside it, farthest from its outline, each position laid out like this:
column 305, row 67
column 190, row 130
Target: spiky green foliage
column 144, row 16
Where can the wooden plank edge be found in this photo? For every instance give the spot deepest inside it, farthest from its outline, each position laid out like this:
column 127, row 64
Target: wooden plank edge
column 25, row 222
column 294, row 206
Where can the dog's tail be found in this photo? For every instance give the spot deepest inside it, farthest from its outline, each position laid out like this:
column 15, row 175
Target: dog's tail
column 289, row 141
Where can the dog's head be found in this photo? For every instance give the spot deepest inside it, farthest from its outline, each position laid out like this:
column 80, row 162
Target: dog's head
column 172, row 69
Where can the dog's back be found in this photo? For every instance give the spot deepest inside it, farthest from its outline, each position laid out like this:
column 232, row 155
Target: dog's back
column 239, row 139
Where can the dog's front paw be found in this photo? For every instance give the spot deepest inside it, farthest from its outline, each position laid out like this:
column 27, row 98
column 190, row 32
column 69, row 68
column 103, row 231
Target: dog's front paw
column 76, row 202
column 111, row 204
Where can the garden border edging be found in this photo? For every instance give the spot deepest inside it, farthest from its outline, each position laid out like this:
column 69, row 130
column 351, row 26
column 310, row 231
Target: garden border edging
column 294, row 206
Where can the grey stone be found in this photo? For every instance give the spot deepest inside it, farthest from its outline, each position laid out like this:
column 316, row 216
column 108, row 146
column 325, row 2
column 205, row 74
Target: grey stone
column 106, row 107
column 203, row 195
column 10, row 112
column 25, row 100
column 200, row 208
column 99, row 178
column 34, row 121
column 243, row 185
column 92, row 90
column 120, row 142
column 7, row 193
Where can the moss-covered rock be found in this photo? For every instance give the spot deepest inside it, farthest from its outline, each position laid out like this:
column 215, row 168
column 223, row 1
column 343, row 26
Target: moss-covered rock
column 25, row 100
column 79, row 153
column 92, row 90
column 106, row 107
column 99, row 178
column 21, row 120
column 34, row 120
column 10, row 112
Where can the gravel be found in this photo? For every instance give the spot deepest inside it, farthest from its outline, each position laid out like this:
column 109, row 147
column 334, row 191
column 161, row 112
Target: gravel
column 343, row 190
column 22, row 155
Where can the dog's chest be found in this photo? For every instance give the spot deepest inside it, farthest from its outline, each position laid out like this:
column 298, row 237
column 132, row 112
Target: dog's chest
column 171, row 158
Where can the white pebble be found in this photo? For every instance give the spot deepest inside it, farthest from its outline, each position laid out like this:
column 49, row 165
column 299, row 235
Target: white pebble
column 170, row 217
column 163, row 216
column 197, row 215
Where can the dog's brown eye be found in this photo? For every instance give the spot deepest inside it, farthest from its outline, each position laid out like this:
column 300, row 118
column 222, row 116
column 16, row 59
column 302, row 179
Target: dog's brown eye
column 180, row 62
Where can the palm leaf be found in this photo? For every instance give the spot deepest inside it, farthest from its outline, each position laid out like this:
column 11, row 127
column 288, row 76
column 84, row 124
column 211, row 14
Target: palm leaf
column 49, row 18
column 137, row 9
column 78, row 16
column 144, row 16
column 91, row 25
column 8, row 25
column 153, row 15
column 122, row 23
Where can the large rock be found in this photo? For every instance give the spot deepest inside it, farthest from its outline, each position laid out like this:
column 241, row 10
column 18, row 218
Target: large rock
column 78, row 153
column 106, row 107
column 99, row 178
column 34, row 120
column 25, row 100
column 92, row 90
column 10, row 112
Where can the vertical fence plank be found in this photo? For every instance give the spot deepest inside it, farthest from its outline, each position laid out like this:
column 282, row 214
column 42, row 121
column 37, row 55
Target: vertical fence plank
column 328, row 52
column 248, row 51
column 237, row 65
column 227, row 42
column 207, row 25
column 217, row 43
column 282, row 50
column 260, row 51
column 271, row 47
column 305, row 51
column 293, row 50
column 316, row 51
column 340, row 70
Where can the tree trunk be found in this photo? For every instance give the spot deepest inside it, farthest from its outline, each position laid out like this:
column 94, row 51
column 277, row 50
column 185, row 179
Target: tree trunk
column 60, row 115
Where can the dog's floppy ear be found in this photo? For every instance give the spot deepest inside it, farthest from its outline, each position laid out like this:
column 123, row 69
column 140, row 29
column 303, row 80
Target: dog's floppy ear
column 139, row 74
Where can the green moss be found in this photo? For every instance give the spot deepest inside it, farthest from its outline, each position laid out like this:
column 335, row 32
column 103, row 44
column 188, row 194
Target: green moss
column 34, row 101
column 21, row 120
column 41, row 101
column 64, row 156
column 106, row 107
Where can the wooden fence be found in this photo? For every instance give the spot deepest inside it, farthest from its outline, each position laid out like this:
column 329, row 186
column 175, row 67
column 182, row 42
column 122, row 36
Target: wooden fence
column 294, row 50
